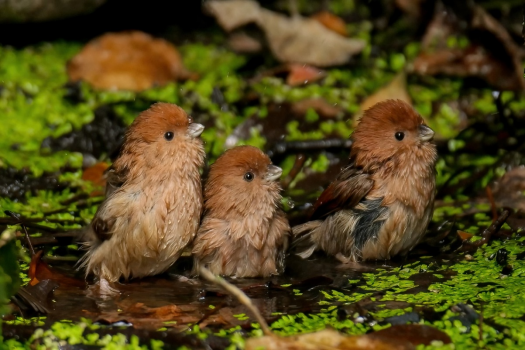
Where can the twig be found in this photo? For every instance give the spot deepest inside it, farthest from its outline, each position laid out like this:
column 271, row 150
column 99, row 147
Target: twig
column 492, row 229
column 481, row 324
column 17, row 217
column 283, row 147
column 239, row 294
column 300, row 159
column 492, row 204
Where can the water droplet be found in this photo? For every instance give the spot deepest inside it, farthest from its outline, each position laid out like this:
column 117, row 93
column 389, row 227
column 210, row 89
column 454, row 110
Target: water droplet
column 291, row 203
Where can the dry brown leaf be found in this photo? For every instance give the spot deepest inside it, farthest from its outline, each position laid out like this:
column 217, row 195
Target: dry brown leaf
column 509, row 191
column 142, row 316
column 243, row 43
column 492, row 55
column 403, row 337
column 301, row 74
column 323, row 108
column 396, row 89
column 127, row 61
column 332, row 22
column 291, row 39
column 464, row 235
column 39, row 271
column 95, row 174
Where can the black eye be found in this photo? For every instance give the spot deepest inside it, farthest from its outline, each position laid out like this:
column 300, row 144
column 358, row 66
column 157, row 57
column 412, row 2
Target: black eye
column 168, row 136
column 248, row 176
column 400, row 135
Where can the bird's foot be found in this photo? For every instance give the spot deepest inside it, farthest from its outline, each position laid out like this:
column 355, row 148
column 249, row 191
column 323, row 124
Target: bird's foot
column 344, row 259
column 103, row 288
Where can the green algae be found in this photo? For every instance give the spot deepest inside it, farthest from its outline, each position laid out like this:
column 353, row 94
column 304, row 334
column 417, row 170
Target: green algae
column 33, row 107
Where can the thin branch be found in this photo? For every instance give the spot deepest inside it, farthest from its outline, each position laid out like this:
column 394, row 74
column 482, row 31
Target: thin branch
column 492, row 229
column 17, row 217
column 239, row 294
column 300, row 159
column 492, row 204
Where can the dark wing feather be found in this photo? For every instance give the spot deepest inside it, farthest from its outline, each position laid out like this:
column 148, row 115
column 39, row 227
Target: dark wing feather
column 103, row 227
column 114, row 179
column 346, row 191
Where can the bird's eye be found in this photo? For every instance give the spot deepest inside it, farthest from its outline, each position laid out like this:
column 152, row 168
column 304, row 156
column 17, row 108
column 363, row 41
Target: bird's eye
column 168, row 136
column 400, row 135
column 249, row 176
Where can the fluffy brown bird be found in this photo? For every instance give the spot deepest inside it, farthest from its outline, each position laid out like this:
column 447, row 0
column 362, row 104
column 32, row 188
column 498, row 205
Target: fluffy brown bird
column 244, row 232
column 153, row 197
column 381, row 204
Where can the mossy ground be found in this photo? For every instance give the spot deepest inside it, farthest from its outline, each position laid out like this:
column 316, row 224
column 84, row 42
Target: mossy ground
column 33, row 106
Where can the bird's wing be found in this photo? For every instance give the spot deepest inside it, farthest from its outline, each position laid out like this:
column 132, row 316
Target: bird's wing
column 115, row 178
column 346, row 191
column 103, row 226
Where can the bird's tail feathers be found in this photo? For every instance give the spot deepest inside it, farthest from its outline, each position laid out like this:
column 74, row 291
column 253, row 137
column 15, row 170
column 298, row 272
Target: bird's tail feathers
column 303, row 243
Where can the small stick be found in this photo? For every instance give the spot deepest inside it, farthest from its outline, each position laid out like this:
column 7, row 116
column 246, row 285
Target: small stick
column 239, row 294
column 492, row 204
column 300, row 159
column 17, row 217
column 481, row 324
column 492, row 229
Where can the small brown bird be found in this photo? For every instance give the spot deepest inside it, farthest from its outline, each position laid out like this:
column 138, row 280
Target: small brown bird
column 153, row 197
column 244, row 232
column 381, row 204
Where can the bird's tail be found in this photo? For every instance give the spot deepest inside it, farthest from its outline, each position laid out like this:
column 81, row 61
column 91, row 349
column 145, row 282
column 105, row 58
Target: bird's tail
column 87, row 243
column 303, row 243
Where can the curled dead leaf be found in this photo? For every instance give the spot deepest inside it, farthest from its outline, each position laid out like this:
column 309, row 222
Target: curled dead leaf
column 291, row 39
column 127, row 61
column 39, row 271
column 301, row 74
column 332, row 22
column 319, row 105
column 491, row 55
column 464, row 235
column 95, row 174
column 396, row 89
column 403, row 337
column 509, row 191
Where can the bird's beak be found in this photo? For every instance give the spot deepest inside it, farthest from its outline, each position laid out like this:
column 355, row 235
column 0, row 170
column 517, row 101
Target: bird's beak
column 195, row 129
column 425, row 133
column 273, row 173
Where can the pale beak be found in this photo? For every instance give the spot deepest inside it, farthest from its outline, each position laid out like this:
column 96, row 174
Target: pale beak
column 425, row 133
column 195, row 129
column 273, row 173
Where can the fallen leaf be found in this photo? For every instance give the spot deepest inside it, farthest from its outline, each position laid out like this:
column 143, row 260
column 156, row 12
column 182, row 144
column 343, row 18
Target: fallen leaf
column 301, row 74
column 142, row 316
column 127, row 61
column 396, row 89
column 95, row 174
column 39, row 271
column 37, row 296
column 491, row 55
column 332, row 22
column 464, row 235
column 296, row 74
column 243, row 43
column 509, row 191
column 319, row 105
column 291, row 39
column 402, row 337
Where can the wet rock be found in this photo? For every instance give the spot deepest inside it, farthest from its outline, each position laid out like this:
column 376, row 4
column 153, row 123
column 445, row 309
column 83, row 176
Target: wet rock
column 38, row 11
column 102, row 136
column 14, row 183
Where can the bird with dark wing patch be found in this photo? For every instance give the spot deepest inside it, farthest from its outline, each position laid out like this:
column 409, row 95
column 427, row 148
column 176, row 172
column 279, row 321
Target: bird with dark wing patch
column 381, row 204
